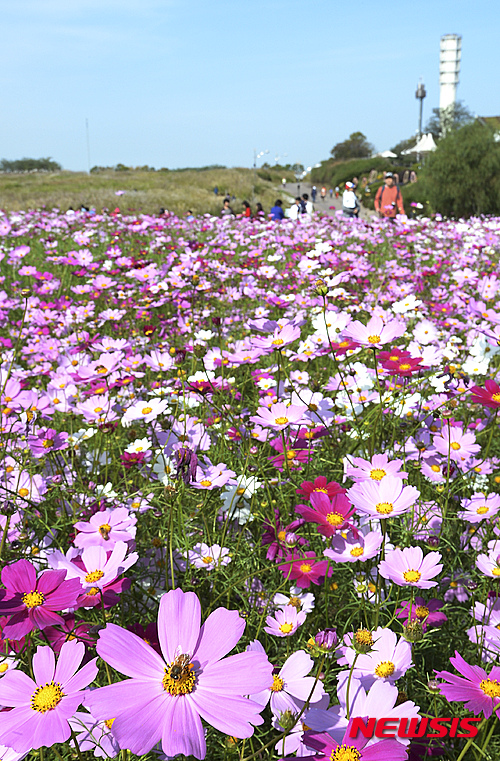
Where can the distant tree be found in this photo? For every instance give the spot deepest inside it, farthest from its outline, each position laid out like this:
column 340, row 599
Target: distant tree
column 463, row 174
column 355, row 147
column 452, row 118
column 30, row 165
column 403, row 145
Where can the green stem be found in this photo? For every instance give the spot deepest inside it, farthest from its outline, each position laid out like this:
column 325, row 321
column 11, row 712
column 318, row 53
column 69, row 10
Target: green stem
column 347, row 707
column 469, row 743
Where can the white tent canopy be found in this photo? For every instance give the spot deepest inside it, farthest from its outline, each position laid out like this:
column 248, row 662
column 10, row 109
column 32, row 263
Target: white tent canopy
column 387, row 155
column 426, row 144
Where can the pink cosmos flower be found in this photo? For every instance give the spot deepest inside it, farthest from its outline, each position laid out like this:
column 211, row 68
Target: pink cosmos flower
column 375, row 469
column 285, row 622
column 203, row 556
column 331, row 514
column 409, row 567
column 350, row 548
column 375, row 333
column 300, row 567
column 95, row 568
column 489, row 564
column 281, row 337
column 166, row 696
column 383, row 499
column 453, row 442
column 478, row 690
column 42, row 707
column 93, row 735
column 33, row 601
column 389, row 659
column 279, row 416
column 106, row 528
column 479, row 507
column 290, row 684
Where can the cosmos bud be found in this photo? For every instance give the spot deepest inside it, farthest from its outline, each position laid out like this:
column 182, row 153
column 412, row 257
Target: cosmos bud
column 362, row 640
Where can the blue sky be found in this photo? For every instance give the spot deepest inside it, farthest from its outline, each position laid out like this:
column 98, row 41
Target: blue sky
column 190, row 82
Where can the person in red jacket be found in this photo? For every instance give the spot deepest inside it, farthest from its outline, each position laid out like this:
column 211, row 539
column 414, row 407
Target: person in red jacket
column 388, row 200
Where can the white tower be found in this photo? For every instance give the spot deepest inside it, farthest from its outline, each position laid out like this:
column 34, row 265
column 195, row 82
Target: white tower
column 449, row 69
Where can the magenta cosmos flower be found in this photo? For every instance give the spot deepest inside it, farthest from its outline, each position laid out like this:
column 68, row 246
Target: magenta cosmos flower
column 383, row 499
column 488, row 396
column 302, row 569
column 478, row 690
column 279, row 416
column 43, row 706
column 321, row 485
column 330, row 513
column 33, row 601
column 166, row 696
column 409, row 567
column 375, row 333
column 352, row 748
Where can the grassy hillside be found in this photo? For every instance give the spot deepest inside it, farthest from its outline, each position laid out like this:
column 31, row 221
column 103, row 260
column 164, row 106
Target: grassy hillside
column 146, row 191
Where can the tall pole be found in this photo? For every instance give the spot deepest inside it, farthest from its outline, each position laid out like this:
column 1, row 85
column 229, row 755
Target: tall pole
column 88, row 143
column 420, row 94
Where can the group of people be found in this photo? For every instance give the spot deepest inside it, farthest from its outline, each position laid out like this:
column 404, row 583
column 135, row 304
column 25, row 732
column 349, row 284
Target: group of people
column 388, row 199
column 388, row 203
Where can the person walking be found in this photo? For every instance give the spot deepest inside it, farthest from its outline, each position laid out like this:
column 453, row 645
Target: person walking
column 314, row 191
column 307, row 207
column 388, row 199
column 350, row 203
column 323, row 193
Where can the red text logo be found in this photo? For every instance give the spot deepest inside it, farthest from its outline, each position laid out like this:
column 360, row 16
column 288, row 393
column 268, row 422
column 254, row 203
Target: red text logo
column 415, row 727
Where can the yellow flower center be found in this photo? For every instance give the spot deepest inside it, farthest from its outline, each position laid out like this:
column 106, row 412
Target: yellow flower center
column 482, row 510
column 146, row 410
column 208, row 559
column 3, row 667
column 240, row 491
column 94, row 576
column 23, row 492
column 290, row 455
column 278, row 342
column 313, row 407
column 46, row 698
column 48, row 443
column 373, row 339
column 412, row 576
column 93, row 591
column 385, row 669
column 286, row 628
column 295, row 602
column 421, row 611
column 277, row 684
column 335, row 519
column 436, row 468
column 495, row 397
column 104, row 530
column 405, row 367
column 205, row 482
column 384, row 508
column 281, row 420
column 490, row 687
column 455, row 445
column 179, row 679
column 345, row 753
column 282, row 536
column 305, row 568
column 98, row 409
column 495, row 571
column 356, row 552
column 109, row 723
column 377, row 474
column 135, row 505
column 364, row 637
column 33, row 599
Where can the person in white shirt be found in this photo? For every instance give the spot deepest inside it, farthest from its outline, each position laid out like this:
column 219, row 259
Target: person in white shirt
column 307, row 207
column 350, row 203
column 294, row 211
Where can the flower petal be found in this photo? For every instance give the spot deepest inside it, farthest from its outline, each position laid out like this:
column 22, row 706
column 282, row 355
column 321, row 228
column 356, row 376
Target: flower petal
column 19, row 577
column 44, row 664
column 219, row 634
column 70, row 657
column 129, row 654
column 16, row 689
column 182, row 730
column 179, row 620
column 241, row 674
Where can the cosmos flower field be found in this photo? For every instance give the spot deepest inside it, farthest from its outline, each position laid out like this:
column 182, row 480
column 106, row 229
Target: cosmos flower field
column 250, row 484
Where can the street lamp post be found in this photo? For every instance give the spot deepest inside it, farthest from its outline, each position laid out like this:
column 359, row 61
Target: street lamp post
column 420, row 95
